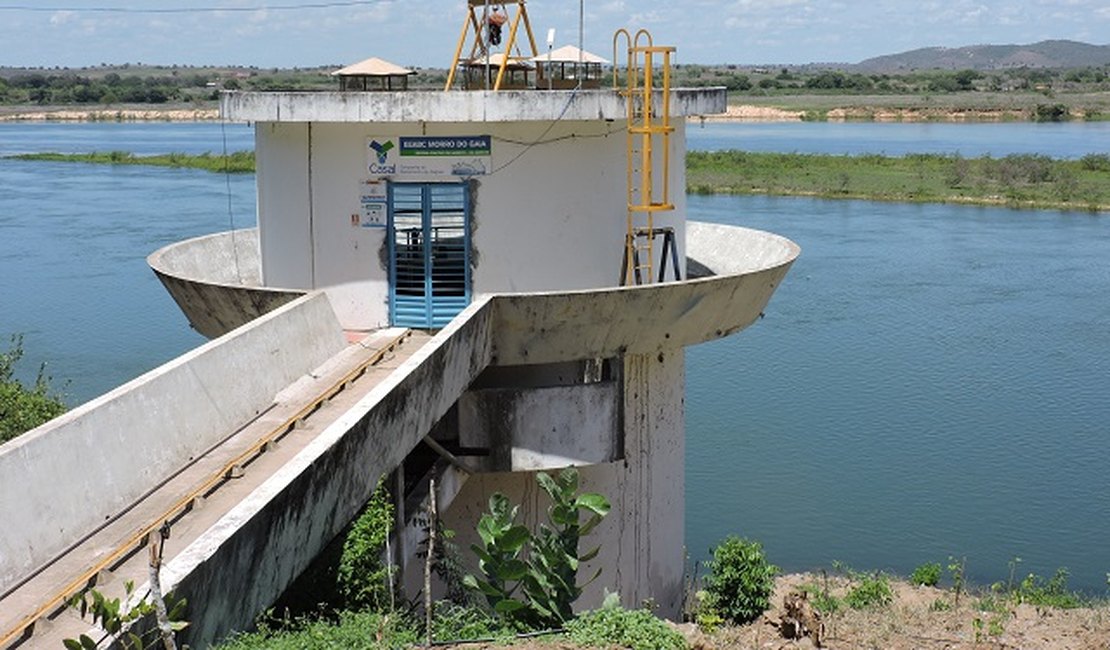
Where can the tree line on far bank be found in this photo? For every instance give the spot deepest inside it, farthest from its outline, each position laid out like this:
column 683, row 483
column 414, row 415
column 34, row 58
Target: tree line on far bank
column 159, row 85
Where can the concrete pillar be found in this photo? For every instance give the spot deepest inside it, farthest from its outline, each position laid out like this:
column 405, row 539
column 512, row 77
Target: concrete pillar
column 641, row 540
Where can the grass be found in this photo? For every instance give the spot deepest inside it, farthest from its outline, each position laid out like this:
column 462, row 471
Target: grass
column 1018, row 106
column 237, row 162
column 1020, row 180
column 1026, row 181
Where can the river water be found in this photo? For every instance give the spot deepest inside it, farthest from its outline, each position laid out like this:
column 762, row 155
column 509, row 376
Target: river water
column 930, row 381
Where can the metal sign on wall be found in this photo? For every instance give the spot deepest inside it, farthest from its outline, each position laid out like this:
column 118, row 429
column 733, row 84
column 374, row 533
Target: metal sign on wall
column 452, row 155
column 372, row 202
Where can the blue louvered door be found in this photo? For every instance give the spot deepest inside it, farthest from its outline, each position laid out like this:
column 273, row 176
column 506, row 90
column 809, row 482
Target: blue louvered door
column 429, row 237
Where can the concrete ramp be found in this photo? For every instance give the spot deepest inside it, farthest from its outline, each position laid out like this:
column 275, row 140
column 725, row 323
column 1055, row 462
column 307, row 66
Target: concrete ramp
column 82, row 469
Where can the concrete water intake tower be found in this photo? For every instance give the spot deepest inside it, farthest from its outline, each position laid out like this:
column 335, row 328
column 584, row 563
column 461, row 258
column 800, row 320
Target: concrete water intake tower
column 519, row 279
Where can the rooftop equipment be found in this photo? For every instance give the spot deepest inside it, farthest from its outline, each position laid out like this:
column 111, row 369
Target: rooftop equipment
column 488, row 27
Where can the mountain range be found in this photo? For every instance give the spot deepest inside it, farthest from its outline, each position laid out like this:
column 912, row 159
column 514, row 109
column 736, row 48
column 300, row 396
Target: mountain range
column 1045, row 54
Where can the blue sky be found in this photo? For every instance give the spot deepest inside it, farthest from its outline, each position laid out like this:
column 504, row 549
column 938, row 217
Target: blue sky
column 70, row 33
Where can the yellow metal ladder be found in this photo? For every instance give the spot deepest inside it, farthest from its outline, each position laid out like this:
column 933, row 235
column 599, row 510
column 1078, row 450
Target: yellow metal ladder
column 649, row 131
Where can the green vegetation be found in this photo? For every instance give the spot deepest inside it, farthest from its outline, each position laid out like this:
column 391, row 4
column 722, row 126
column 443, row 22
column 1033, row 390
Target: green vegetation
column 111, row 616
column 1019, row 180
column 637, row 629
column 1045, row 592
column 236, row 162
column 365, row 630
column 740, row 580
column 869, row 591
column 138, row 84
column 926, row 574
column 542, row 566
column 362, row 579
column 23, row 408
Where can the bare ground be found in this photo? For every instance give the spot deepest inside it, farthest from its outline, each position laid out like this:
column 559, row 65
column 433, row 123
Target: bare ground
column 912, row 622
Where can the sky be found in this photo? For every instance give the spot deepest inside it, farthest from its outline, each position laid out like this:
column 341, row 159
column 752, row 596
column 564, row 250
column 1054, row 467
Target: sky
column 309, row 33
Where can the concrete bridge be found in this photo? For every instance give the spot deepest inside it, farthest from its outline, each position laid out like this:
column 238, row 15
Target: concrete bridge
column 260, row 446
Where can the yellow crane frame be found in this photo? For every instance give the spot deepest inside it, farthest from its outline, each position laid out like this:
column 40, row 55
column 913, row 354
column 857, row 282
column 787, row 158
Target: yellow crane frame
column 480, row 46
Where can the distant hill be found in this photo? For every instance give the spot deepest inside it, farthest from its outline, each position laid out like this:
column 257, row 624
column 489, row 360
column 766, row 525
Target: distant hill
column 1046, row 54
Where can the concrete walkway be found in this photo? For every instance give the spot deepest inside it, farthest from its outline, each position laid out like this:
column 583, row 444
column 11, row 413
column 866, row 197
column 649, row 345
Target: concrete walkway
column 199, row 494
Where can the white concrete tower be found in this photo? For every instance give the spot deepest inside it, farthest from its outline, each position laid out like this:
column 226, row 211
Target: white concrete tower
column 433, row 209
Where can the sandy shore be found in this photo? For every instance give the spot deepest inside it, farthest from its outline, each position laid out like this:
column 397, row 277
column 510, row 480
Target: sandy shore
column 113, row 115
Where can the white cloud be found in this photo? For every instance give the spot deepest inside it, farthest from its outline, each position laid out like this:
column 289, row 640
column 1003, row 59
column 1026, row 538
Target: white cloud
column 62, row 17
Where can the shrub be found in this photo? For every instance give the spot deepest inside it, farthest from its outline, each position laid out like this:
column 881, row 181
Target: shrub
column 926, row 574
column 870, row 591
column 548, row 575
column 1052, row 592
column 740, row 580
column 636, row 629
column 362, row 578
column 1096, row 162
column 1051, row 113
column 822, row 600
column 24, row 408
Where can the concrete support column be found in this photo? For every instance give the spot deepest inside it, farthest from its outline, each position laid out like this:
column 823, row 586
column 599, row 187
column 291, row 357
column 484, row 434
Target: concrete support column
column 650, row 500
column 641, row 540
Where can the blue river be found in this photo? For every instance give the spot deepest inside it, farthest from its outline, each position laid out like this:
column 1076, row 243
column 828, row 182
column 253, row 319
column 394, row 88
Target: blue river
column 930, row 381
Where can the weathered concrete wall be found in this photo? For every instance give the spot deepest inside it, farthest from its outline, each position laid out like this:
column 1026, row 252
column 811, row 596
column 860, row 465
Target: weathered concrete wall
column 556, row 223
column 65, row 478
column 215, row 281
column 282, row 166
column 539, row 428
column 543, row 328
column 642, row 539
column 437, row 106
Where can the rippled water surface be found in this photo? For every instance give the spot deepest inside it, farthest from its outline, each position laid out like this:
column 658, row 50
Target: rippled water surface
column 928, row 381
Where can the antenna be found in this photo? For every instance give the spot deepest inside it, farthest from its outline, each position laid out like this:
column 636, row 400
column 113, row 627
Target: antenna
column 550, row 44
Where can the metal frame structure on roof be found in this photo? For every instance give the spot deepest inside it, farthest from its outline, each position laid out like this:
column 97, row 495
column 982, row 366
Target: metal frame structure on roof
column 481, row 46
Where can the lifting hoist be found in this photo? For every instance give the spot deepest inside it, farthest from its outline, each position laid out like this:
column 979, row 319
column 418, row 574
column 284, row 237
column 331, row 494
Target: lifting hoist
column 488, row 25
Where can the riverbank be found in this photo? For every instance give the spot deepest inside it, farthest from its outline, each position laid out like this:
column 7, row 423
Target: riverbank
column 1026, row 181
column 237, row 162
column 919, row 617
column 109, row 114
column 955, row 107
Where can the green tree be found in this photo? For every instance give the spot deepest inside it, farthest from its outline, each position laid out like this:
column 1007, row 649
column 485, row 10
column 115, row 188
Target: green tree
column 23, row 408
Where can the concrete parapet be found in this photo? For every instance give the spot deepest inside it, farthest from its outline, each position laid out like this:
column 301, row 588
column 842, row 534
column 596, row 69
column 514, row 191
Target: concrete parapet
column 461, row 106
column 747, row 264
column 216, row 280
column 64, row 479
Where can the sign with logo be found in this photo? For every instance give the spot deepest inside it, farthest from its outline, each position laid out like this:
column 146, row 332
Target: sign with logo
column 453, row 155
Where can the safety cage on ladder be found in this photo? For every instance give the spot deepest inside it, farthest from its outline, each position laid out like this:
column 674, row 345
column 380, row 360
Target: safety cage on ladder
column 429, row 253
column 648, row 154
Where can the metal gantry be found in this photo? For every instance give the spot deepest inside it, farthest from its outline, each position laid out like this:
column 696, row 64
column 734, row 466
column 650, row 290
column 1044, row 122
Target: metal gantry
column 481, row 44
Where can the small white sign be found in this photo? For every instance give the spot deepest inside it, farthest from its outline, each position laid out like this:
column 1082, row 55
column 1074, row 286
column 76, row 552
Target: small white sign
column 372, row 199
